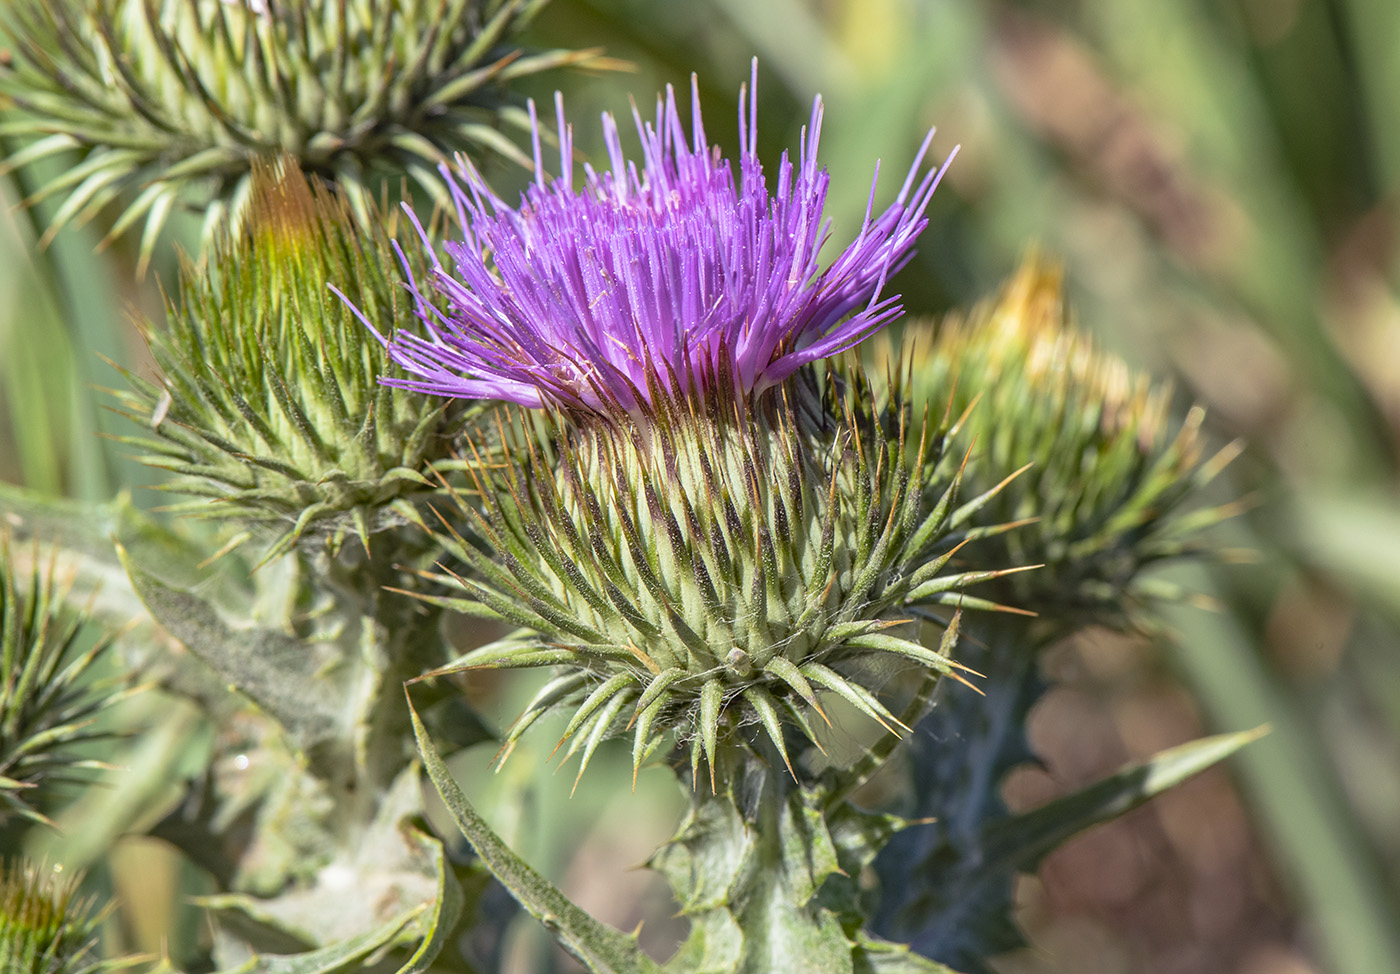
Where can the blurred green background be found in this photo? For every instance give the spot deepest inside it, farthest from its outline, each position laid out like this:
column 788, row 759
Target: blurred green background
column 1219, row 180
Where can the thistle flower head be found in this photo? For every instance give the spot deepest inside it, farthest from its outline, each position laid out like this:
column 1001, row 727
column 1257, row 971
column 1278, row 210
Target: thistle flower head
column 667, row 277
column 1110, row 488
column 267, row 399
column 707, row 570
column 173, row 100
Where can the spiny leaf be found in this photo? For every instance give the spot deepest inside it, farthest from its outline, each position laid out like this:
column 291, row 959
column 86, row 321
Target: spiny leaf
column 50, row 701
column 859, row 697
column 602, row 949
column 269, row 667
column 762, row 703
column 783, row 669
column 1024, row 840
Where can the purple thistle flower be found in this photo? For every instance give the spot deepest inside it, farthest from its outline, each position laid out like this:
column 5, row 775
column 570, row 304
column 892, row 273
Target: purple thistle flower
column 599, row 296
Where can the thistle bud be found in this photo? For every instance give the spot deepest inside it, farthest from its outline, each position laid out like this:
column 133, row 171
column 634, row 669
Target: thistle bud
column 44, row 928
column 267, row 400
column 1109, row 488
column 175, row 100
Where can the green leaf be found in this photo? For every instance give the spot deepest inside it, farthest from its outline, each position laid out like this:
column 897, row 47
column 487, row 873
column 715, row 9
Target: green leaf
column 857, row 836
column 84, row 535
column 706, row 856
column 964, row 909
column 874, row 956
column 714, row 946
column 755, row 889
column 601, row 948
column 343, row 956
column 398, row 876
column 437, row 925
column 1024, row 840
column 807, row 843
column 279, row 673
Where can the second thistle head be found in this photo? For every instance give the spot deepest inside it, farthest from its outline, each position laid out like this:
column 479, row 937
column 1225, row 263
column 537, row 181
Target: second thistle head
column 707, row 529
column 267, row 404
column 1111, row 487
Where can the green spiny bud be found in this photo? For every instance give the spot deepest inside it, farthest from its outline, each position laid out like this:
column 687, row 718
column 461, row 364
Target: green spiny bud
column 178, row 98
column 49, row 700
column 1108, row 489
column 707, row 566
column 44, row 929
column 268, row 400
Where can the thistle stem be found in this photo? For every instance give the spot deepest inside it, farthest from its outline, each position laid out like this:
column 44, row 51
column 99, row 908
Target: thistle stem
column 388, row 638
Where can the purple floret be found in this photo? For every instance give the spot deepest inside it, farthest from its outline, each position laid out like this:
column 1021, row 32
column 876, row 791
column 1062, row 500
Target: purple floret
column 598, row 296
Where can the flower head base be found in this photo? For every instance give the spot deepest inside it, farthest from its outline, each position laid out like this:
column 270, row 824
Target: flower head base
column 44, row 927
column 670, row 278
column 701, row 572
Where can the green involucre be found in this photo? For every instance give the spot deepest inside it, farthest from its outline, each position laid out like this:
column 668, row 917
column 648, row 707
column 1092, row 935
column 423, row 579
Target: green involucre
column 49, row 698
column 44, row 929
column 711, row 566
column 268, row 399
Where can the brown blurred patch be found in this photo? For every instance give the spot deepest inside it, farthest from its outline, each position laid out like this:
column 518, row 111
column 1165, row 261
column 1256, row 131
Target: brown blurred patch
column 1361, row 306
column 1180, row 886
column 1052, row 81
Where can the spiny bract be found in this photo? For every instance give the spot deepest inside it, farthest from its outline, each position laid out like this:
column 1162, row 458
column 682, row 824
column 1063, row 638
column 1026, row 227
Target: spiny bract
column 174, row 100
column 714, row 564
column 267, row 399
column 1108, row 490
column 50, row 700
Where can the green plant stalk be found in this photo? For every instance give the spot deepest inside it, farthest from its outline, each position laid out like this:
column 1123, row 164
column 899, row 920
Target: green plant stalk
column 394, row 638
column 959, row 756
column 326, row 793
column 601, row 948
